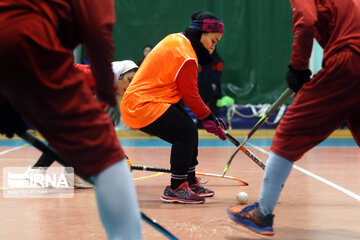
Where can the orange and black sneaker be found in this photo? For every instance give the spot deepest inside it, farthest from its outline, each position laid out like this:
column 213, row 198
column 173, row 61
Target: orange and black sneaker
column 251, row 218
column 201, row 190
column 182, row 194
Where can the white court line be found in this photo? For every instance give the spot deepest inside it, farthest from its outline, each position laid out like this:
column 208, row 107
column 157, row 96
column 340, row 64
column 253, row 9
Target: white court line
column 321, row 179
column 12, row 149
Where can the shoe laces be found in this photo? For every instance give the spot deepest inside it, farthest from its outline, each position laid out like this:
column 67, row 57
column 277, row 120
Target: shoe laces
column 253, row 211
column 250, row 207
column 199, row 181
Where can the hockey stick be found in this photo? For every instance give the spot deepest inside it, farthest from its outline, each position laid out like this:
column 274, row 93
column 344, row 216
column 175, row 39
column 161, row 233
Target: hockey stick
column 158, row 227
column 284, row 96
column 41, row 146
column 48, row 150
column 244, row 150
column 167, row 170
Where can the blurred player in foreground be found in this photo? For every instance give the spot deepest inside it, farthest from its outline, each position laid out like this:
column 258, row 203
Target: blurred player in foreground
column 37, row 39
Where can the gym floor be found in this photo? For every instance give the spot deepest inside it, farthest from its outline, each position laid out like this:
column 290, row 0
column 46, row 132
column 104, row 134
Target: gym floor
column 321, row 199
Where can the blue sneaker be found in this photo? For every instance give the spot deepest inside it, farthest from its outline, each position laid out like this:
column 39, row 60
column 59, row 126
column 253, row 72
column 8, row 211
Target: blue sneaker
column 251, row 218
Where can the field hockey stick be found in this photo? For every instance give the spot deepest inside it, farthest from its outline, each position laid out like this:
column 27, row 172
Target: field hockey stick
column 158, row 227
column 270, row 111
column 245, row 150
column 41, row 146
column 167, row 170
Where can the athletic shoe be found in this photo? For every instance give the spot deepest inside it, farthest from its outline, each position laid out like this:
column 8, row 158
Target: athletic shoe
column 201, row 190
column 32, row 172
column 251, row 218
column 182, row 194
column 81, row 183
column 77, row 182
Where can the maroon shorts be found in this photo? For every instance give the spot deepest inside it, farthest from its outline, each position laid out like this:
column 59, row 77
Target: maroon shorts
column 331, row 98
column 37, row 76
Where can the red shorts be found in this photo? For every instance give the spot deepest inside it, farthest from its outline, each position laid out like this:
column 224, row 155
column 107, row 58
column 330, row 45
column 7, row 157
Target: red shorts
column 37, row 76
column 321, row 106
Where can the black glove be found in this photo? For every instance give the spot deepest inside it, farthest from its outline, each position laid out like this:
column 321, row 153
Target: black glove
column 11, row 121
column 295, row 79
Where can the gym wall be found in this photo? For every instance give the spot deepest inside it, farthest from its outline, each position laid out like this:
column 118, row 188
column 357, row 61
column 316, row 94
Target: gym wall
column 255, row 48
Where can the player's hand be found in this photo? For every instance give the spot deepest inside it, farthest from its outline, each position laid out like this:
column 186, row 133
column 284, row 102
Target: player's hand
column 114, row 113
column 296, row 79
column 11, row 121
column 215, row 125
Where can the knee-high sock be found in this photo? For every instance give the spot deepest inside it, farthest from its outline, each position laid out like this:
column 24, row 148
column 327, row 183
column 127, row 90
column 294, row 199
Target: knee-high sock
column 117, row 202
column 276, row 172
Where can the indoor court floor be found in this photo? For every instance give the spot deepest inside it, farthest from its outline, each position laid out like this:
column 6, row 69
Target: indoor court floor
column 320, row 201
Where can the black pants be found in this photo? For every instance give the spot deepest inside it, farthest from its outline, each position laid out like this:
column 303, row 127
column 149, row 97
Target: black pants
column 176, row 127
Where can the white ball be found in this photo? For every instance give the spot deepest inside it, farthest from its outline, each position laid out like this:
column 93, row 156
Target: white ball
column 242, row 197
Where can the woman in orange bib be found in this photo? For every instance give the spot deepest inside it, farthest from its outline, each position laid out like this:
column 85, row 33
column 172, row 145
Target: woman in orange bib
column 153, row 103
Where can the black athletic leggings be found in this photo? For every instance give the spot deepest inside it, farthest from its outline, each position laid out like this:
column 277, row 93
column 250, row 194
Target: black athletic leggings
column 176, row 127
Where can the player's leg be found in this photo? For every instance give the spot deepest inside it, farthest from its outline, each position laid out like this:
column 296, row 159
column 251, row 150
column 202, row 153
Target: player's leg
column 176, row 128
column 276, row 172
column 312, row 117
column 179, row 130
column 193, row 181
column 41, row 166
column 44, row 161
column 119, row 214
